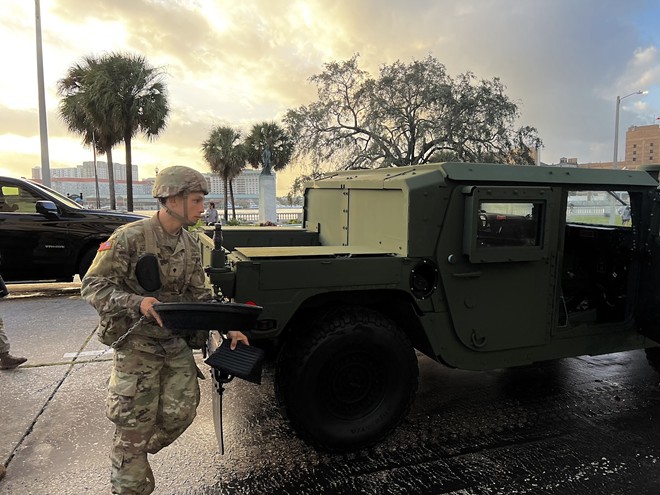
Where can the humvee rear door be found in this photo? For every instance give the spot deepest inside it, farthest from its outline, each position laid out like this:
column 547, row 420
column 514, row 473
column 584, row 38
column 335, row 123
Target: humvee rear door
column 647, row 311
column 500, row 286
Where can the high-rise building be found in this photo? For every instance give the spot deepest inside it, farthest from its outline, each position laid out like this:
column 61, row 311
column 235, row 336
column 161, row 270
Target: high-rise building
column 245, row 185
column 86, row 171
column 80, row 180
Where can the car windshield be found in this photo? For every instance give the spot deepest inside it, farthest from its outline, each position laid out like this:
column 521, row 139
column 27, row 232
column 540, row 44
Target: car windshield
column 68, row 201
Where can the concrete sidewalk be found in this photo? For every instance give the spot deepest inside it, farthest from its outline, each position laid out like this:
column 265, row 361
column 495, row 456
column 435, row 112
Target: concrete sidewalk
column 44, row 289
column 56, row 438
column 51, row 420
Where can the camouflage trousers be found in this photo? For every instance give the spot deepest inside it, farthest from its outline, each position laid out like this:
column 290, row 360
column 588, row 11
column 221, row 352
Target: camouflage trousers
column 153, row 396
column 4, row 341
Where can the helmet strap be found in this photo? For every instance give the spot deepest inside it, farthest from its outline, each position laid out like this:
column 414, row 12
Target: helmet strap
column 183, row 219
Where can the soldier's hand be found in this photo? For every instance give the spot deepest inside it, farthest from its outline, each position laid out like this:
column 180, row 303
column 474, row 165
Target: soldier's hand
column 147, row 309
column 237, row 336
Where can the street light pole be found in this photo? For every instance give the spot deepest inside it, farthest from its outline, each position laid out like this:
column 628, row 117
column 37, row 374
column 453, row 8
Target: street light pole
column 616, row 124
column 43, row 126
column 96, row 175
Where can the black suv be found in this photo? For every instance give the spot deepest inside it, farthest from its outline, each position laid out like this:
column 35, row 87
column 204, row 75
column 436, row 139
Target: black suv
column 46, row 236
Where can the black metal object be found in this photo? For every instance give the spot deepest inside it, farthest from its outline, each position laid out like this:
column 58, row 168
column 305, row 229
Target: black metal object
column 147, row 272
column 243, row 362
column 192, row 316
column 220, row 379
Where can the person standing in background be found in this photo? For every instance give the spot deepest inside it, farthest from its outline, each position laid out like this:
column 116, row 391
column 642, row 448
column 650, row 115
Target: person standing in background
column 211, row 214
column 7, row 361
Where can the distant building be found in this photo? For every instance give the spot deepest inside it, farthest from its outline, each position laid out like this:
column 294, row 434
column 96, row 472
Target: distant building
column 568, row 162
column 248, row 182
column 642, row 145
column 245, row 185
column 573, row 163
column 142, row 199
column 86, row 171
column 642, row 148
column 80, row 180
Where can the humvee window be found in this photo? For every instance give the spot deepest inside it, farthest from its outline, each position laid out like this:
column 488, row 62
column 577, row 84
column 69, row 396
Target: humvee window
column 598, row 251
column 504, row 224
column 599, row 208
column 508, row 224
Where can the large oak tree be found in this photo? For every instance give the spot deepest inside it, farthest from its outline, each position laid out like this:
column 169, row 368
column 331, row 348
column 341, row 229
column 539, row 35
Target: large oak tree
column 410, row 114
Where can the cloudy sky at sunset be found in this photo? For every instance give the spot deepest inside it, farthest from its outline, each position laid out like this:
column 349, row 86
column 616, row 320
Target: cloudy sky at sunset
column 240, row 62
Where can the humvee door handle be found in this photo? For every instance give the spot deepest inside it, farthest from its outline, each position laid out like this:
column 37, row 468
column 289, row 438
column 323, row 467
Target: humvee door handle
column 478, row 341
column 466, row 275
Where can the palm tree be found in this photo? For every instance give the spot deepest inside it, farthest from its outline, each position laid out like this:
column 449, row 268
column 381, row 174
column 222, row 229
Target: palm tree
column 77, row 112
column 270, row 136
column 225, row 155
column 130, row 95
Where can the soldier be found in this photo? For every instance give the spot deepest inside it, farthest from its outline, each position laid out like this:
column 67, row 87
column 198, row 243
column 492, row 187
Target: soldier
column 7, row 361
column 153, row 392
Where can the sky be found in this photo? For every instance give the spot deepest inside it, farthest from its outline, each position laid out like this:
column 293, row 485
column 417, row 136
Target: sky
column 229, row 62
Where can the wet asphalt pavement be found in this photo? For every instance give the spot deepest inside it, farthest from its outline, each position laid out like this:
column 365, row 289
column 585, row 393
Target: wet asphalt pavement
column 587, row 425
column 575, row 426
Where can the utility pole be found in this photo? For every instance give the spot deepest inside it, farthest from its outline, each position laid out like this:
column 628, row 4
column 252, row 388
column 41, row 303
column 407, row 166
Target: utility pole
column 43, row 123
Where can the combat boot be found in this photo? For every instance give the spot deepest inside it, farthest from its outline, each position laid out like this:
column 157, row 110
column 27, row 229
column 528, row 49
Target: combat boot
column 9, row 362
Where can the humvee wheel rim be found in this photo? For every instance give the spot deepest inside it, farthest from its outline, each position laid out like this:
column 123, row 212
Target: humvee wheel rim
column 355, row 386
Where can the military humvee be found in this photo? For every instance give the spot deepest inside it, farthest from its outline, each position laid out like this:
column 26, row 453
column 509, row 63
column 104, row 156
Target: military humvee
column 478, row 266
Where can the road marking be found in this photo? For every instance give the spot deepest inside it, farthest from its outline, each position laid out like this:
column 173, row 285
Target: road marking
column 86, row 353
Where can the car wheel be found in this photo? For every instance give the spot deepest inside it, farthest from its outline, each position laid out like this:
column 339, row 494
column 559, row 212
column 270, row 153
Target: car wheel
column 86, row 262
column 348, row 380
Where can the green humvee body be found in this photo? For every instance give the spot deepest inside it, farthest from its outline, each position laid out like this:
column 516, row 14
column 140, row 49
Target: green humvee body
column 479, row 266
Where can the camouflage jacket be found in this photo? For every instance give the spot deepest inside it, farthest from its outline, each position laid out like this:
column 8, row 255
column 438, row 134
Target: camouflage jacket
column 112, row 287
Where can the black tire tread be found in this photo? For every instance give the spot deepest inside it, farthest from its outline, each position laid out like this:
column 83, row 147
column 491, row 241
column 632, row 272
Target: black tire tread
column 653, row 357
column 302, row 343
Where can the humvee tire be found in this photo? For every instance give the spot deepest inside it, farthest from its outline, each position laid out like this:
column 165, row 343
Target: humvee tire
column 653, row 357
column 348, row 380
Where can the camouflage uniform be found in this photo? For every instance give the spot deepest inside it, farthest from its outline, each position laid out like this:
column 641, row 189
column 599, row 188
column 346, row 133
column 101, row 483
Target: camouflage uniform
column 153, row 392
column 7, row 361
column 4, row 341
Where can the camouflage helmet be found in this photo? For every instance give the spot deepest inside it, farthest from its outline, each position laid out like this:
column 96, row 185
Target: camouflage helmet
column 177, row 180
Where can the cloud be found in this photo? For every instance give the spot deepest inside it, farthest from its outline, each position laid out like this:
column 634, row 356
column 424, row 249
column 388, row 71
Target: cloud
column 237, row 63
column 643, row 69
column 20, row 122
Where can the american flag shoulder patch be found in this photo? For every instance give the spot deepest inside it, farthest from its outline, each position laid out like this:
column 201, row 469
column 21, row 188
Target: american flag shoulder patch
column 105, row 246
